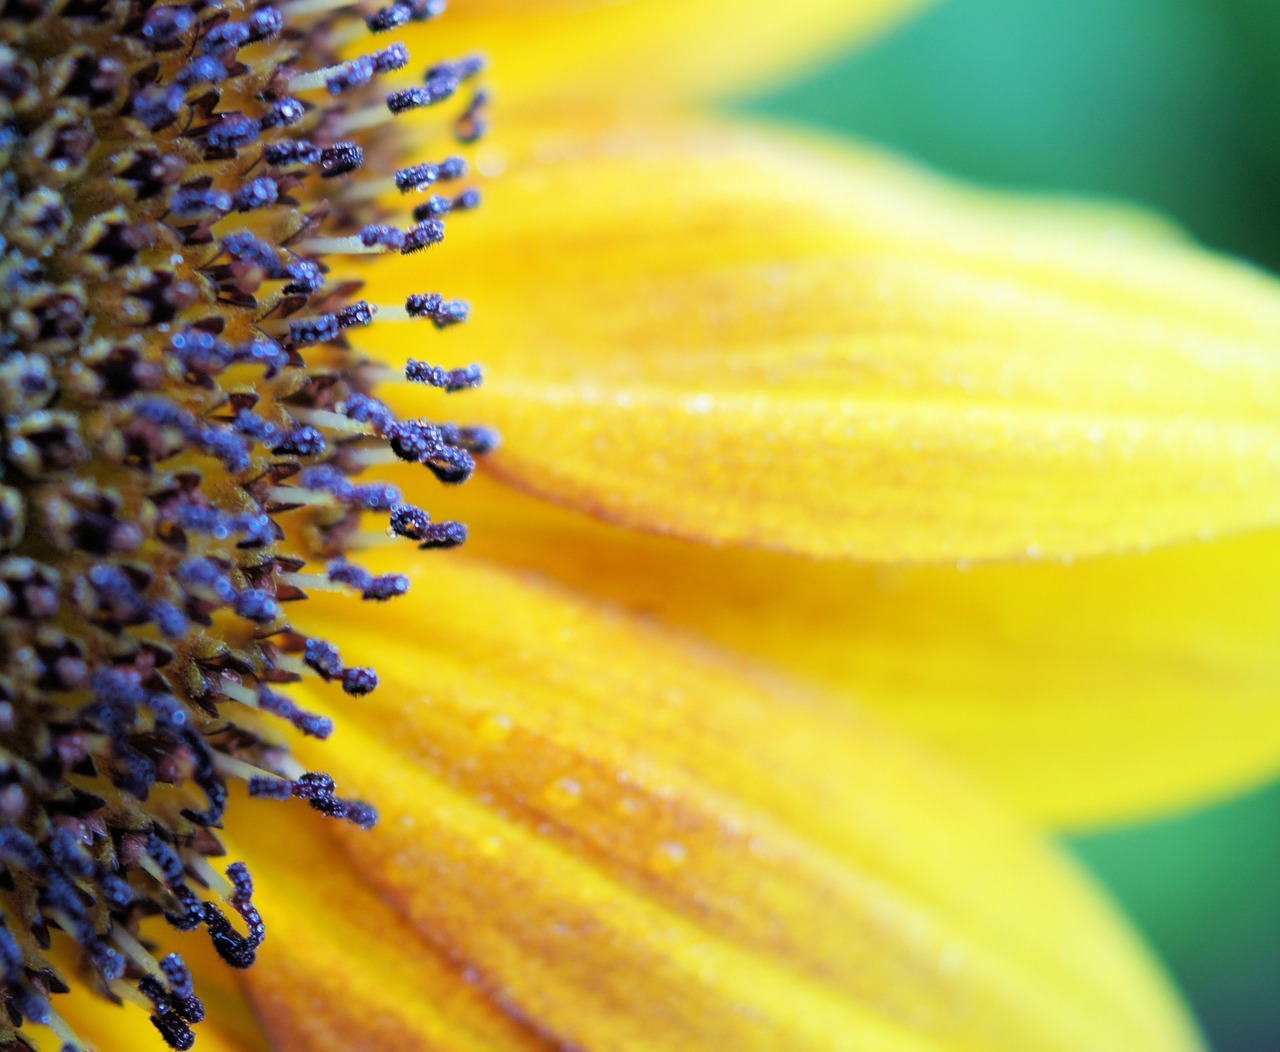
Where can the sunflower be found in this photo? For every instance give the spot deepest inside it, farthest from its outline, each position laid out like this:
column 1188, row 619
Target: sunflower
column 775, row 567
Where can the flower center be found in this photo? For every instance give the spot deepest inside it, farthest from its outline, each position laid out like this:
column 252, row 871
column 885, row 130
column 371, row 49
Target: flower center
column 184, row 421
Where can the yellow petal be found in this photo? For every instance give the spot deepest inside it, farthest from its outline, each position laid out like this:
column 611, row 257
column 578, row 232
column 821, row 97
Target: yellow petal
column 340, row 968
column 647, row 49
column 1089, row 693
column 628, row 844
column 740, row 337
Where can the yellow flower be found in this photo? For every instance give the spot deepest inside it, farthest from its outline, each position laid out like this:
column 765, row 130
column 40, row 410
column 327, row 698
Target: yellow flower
column 626, row 801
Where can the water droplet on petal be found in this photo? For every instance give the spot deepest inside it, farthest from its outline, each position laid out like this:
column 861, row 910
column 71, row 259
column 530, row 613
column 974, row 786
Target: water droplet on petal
column 668, row 857
column 563, row 794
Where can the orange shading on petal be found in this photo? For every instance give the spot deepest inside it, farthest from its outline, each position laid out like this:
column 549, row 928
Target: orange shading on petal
column 628, row 844
column 342, row 968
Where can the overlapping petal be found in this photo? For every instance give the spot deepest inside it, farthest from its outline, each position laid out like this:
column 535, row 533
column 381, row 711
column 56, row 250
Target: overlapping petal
column 343, row 968
column 743, row 338
column 569, row 50
column 622, row 842
column 1088, row 692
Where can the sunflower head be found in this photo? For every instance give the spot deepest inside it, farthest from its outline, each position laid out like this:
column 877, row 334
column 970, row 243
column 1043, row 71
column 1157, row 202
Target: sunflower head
column 183, row 424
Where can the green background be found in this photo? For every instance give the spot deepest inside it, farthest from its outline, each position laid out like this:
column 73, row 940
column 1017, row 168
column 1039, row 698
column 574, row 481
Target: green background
column 1175, row 104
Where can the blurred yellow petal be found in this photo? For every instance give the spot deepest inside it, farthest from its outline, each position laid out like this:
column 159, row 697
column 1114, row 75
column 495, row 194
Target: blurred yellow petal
column 736, row 336
column 626, row 843
column 1089, row 693
column 575, row 49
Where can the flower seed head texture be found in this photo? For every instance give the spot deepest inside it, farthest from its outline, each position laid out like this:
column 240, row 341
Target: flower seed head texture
column 184, row 421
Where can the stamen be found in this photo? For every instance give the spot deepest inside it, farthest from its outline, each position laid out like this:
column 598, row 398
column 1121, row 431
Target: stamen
column 212, row 878
column 239, row 692
column 398, row 14
column 347, row 76
column 233, row 767
column 136, row 952
column 449, row 380
column 298, row 9
column 294, row 496
column 375, row 238
column 312, row 582
column 62, row 1030
column 332, row 421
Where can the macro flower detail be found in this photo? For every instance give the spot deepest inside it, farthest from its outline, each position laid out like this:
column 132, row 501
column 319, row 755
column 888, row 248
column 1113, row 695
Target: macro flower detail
column 629, row 795
column 183, row 421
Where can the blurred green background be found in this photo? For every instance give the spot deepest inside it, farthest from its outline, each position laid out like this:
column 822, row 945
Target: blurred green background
column 1174, row 104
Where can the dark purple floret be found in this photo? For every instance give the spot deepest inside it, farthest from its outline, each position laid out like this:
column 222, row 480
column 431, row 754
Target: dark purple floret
column 359, row 681
column 323, row 657
column 189, row 204
column 424, row 235
column 260, row 193
column 168, row 27
column 443, row 312
column 303, row 441
column 229, row 36
column 389, row 18
column 446, row 379
column 390, row 59
column 352, row 75
column 435, row 207
column 265, row 23
column 204, row 69
column 233, row 132
column 378, row 234
column 283, row 114
column 340, row 159
column 364, row 409
column 158, row 106
column 292, row 151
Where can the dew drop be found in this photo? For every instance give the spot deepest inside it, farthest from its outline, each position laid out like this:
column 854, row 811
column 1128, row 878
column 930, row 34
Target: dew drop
column 494, row 728
column 668, row 857
column 564, row 793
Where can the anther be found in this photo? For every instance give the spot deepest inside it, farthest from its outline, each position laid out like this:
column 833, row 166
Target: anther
column 260, row 193
column 348, row 76
column 232, row 132
column 421, row 176
column 423, row 236
column 416, row 525
column 198, row 202
column 444, row 313
column 328, row 327
column 292, row 151
column 165, row 28
column 340, row 159
column 284, row 113
column 407, row 99
column 449, row 380
column 374, row 238
column 436, row 207
column 204, row 69
column 472, row 123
